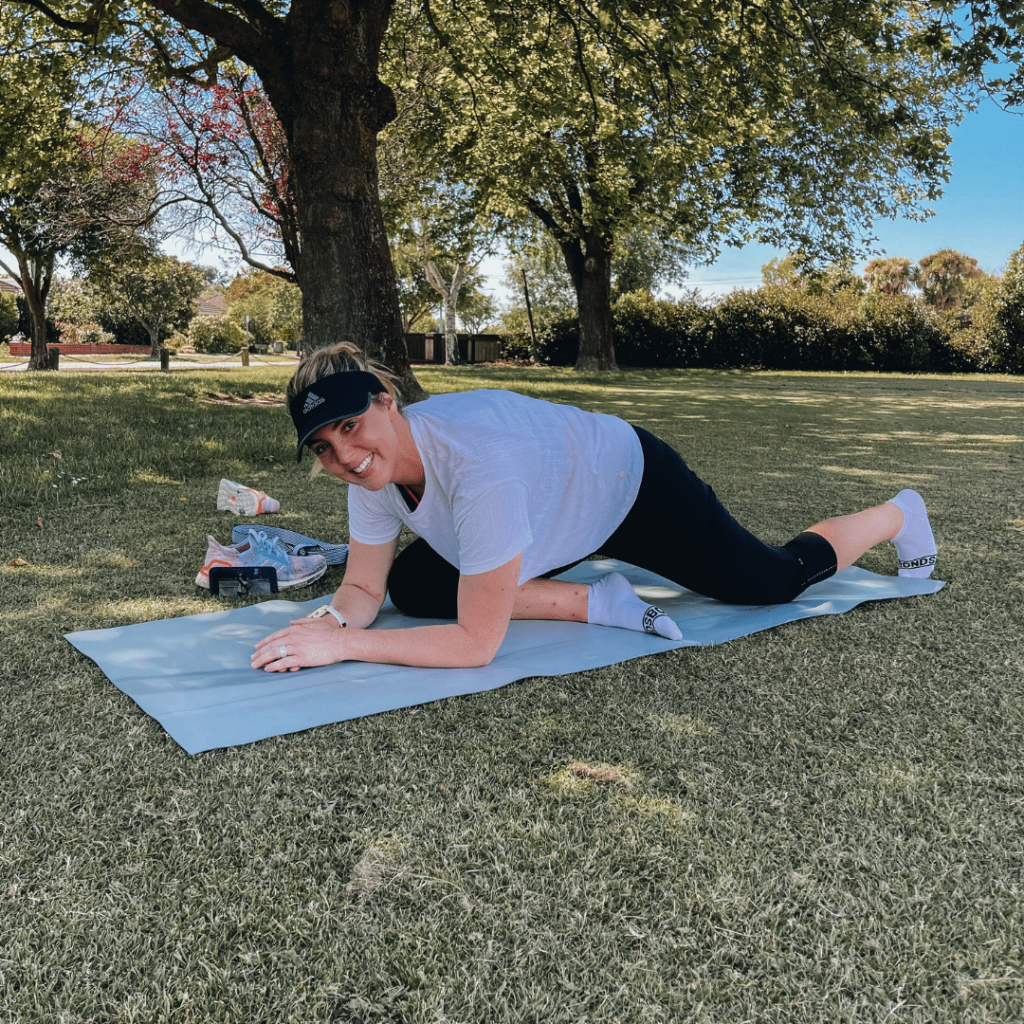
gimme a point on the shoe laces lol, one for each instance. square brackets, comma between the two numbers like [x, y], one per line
[268, 545]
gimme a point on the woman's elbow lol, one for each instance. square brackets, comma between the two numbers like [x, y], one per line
[482, 658]
[481, 651]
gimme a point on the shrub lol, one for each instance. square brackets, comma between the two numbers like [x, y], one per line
[655, 332]
[8, 315]
[550, 326]
[901, 332]
[83, 334]
[215, 334]
[785, 329]
[1008, 317]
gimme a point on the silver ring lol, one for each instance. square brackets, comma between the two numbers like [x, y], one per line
[283, 651]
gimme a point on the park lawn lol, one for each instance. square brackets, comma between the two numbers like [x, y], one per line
[823, 822]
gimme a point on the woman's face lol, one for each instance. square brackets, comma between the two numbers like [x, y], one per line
[362, 450]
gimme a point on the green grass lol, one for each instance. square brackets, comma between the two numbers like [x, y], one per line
[824, 822]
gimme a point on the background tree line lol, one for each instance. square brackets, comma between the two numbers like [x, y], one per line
[942, 315]
[156, 305]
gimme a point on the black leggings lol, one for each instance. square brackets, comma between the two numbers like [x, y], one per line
[676, 528]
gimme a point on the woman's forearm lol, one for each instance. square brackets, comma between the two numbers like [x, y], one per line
[443, 646]
[485, 608]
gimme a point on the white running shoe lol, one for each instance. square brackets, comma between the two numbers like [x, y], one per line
[259, 549]
[296, 543]
[244, 501]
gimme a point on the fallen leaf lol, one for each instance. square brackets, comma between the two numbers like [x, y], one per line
[17, 562]
[39, 523]
[57, 455]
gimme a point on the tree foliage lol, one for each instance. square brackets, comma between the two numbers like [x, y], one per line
[890, 276]
[709, 124]
[943, 276]
[317, 62]
[91, 206]
[716, 122]
[160, 293]
[267, 307]
[225, 163]
[1008, 313]
[797, 272]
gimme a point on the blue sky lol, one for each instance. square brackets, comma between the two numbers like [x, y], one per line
[981, 212]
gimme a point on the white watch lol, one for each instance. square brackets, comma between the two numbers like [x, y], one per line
[328, 609]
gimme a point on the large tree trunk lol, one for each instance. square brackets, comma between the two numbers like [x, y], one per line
[332, 105]
[589, 262]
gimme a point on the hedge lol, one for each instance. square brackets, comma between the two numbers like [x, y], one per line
[784, 329]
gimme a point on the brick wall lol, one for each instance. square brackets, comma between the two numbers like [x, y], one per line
[24, 348]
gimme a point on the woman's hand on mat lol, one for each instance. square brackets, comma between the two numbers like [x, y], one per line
[305, 643]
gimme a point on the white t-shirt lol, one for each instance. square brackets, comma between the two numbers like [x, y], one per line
[504, 474]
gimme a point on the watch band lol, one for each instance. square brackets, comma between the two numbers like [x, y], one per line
[328, 609]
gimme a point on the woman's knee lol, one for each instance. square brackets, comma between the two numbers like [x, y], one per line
[422, 584]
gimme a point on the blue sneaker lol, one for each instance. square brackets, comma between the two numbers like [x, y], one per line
[258, 549]
[297, 543]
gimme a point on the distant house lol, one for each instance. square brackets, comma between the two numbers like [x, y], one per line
[213, 306]
[9, 286]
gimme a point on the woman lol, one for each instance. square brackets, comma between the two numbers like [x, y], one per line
[504, 491]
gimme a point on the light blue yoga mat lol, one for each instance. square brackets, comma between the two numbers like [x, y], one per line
[193, 675]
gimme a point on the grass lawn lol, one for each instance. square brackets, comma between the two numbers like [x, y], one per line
[824, 822]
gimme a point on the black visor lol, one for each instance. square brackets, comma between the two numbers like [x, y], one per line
[337, 397]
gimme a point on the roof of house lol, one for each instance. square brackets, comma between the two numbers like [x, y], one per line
[213, 306]
[8, 286]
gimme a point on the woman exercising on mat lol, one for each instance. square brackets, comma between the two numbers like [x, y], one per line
[503, 491]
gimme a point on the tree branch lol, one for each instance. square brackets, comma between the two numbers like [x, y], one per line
[88, 26]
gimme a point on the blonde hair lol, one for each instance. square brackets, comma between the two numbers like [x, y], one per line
[341, 357]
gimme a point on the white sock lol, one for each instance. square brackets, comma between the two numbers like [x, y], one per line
[611, 601]
[915, 544]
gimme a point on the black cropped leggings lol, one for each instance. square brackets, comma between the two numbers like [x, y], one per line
[676, 528]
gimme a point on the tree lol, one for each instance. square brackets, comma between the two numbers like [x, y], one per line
[317, 61]
[710, 124]
[794, 115]
[160, 293]
[447, 265]
[943, 277]
[416, 298]
[783, 272]
[891, 276]
[88, 210]
[8, 315]
[539, 260]
[643, 262]
[227, 172]
[478, 310]
[431, 225]
[797, 272]
[267, 306]
[68, 191]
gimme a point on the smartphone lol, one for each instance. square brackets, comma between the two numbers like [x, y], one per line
[243, 581]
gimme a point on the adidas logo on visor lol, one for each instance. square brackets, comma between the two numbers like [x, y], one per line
[312, 401]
